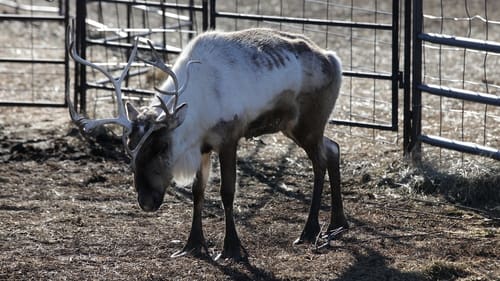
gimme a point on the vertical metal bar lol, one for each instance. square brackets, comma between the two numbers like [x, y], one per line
[66, 54]
[80, 44]
[164, 25]
[406, 80]
[63, 6]
[191, 19]
[129, 37]
[204, 15]
[213, 14]
[395, 63]
[415, 144]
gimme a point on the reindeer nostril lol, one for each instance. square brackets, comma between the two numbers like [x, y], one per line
[149, 202]
[148, 207]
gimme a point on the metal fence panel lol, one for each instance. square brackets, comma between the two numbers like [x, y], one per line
[105, 30]
[456, 100]
[33, 70]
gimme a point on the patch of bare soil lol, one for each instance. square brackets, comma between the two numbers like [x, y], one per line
[68, 212]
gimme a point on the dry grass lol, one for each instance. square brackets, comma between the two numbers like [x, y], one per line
[68, 211]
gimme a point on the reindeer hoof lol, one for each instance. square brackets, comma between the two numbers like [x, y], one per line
[306, 237]
[201, 251]
[298, 241]
[240, 255]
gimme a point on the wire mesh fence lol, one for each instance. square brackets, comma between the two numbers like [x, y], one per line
[459, 89]
[459, 54]
[107, 35]
[33, 66]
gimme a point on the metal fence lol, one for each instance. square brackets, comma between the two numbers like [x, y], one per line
[449, 75]
[105, 30]
[455, 90]
[34, 65]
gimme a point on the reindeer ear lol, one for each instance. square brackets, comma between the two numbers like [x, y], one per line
[132, 113]
[178, 116]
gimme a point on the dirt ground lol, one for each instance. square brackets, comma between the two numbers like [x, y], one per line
[68, 211]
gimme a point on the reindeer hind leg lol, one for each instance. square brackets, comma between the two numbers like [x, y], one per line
[337, 219]
[312, 143]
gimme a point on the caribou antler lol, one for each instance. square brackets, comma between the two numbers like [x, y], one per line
[85, 124]
[159, 63]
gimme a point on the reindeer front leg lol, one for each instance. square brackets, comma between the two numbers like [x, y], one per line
[232, 246]
[196, 244]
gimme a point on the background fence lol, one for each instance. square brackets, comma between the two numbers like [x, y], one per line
[456, 99]
[453, 103]
[34, 65]
[104, 33]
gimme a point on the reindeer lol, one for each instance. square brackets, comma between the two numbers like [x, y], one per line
[243, 84]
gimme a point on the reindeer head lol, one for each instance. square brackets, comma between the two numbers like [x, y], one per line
[149, 146]
[146, 133]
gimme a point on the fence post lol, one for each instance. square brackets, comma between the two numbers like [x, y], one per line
[213, 13]
[395, 64]
[66, 54]
[204, 15]
[80, 44]
[407, 80]
[416, 116]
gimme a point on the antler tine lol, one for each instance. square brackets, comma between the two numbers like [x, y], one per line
[84, 123]
[158, 62]
[163, 105]
[118, 83]
[188, 64]
[183, 87]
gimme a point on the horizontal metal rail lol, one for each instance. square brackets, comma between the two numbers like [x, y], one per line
[371, 75]
[30, 8]
[282, 19]
[104, 43]
[368, 125]
[32, 61]
[162, 13]
[462, 42]
[156, 4]
[461, 146]
[460, 94]
[32, 104]
[124, 89]
[123, 33]
[30, 18]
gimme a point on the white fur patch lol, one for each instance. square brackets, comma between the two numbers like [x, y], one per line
[185, 167]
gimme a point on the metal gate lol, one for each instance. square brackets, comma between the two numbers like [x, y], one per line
[455, 92]
[30, 70]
